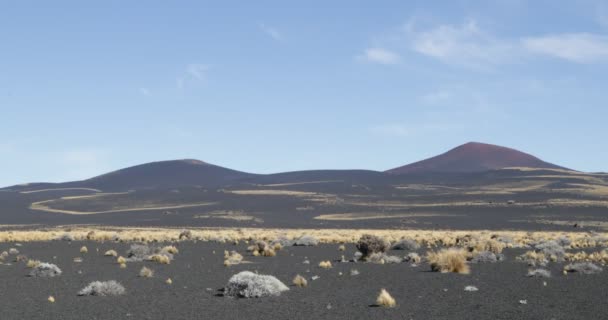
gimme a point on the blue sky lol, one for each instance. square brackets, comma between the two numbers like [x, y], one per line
[269, 86]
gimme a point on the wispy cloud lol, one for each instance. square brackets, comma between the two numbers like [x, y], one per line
[197, 70]
[379, 55]
[464, 45]
[270, 31]
[575, 47]
[471, 46]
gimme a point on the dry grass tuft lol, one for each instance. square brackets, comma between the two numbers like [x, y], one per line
[277, 246]
[32, 263]
[169, 281]
[146, 272]
[111, 253]
[300, 281]
[269, 252]
[51, 299]
[385, 300]
[342, 248]
[121, 260]
[170, 249]
[123, 265]
[232, 258]
[325, 264]
[449, 260]
[160, 258]
[84, 249]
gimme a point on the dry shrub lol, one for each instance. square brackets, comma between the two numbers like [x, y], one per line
[369, 244]
[121, 260]
[533, 258]
[277, 246]
[300, 281]
[342, 248]
[105, 288]
[32, 263]
[169, 249]
[146, 272]
[169, 281]
[385, 300]
[84, 249]
[413, 257]
[491, 245]
[160, 258]
[269, 252]
[232, 258]
[111, 253]
[325, 264]
[13, 251]
[449, 260]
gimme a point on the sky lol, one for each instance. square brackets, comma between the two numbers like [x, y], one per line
[271, 86]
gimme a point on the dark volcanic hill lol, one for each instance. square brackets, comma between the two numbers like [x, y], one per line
[173, 173]
[474, 157]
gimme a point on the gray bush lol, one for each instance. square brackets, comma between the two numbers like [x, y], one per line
[185, 235]
[247, 284]
[102, 288]
[44, 269]
[141, 252]
[539, 273]
[306, 240]
[369, 244]
[583, 267]
[66, 237]
[381, 257]
[412, 257]
[406, 244]
[487, 257]
[552, 248]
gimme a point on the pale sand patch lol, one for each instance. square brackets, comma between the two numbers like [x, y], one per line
[229, 215]
[299, 183]
[357, 216]
[40, 206]
[270, 192]
[60, 189]
[483, 203]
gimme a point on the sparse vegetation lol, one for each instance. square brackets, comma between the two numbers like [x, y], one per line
[247, 284]
[232, 258]
[44, 269]
[539, 273]
[300, 281]
[146, 272]
[406, 244]
[84, 249]
[369, 244]
[583, 267]
[103, 288]
[32, 263]
[111, 253]
[385, 299]
[325, 264]
[413, 257]
[448, 260]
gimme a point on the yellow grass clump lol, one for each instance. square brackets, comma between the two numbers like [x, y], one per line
[111, 253]
[449, 260]
[51, 299]
[269, 252]
[277, 246]
[341, 248]
[123, 265]
[160, 258]
[146, 272]
[300, 281]
[84, 249]
[169, 281]
[325, 264]
[170, 249]
[32, 263]
[121, 260]
[232, 258]
[385, 300]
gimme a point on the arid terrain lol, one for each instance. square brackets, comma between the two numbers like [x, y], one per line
[527, 239]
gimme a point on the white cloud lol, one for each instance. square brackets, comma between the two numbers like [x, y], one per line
[272, 32]
[464, 45]
[380, 55]
[575, 47]
[197, 71]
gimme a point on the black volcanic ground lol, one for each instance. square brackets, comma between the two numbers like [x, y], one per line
[197, 274]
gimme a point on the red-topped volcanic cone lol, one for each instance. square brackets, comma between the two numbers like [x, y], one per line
[475, 157]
